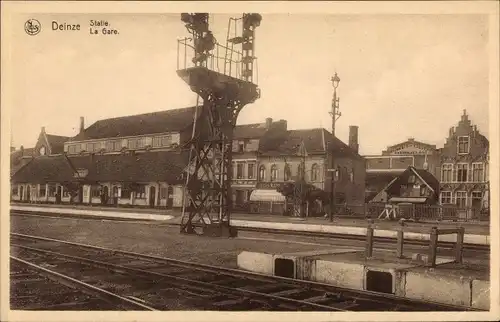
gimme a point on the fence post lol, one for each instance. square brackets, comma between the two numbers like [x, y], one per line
[431, 261]
[459, 245]
[399, 248]
[369, 239]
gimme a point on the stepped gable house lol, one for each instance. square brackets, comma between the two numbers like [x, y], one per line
[465, 166]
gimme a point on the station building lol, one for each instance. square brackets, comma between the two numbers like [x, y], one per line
[140, 160]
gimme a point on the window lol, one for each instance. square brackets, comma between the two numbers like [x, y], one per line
[251, 167]
[163, 192]
[15, 190]
[42, 150]
[65, 192]
[94, 147]
[95, 191]
[74, 148]
[476, 199]
[239, 170]
[125, 192]
[463, 144]
[315, 172]
[241, 146]
[477, 172]
[445, 198]
[43, 190]
[423, 190]
[462, 169]
[351, 175]
[300, 173]
[411, 179]
[114, 145]
[461, 198]
[287, 172]
[52, 190]
[141, 192]
[274, 172]
[137, 143]
[164, 140]
[446, 172]
[262, 173]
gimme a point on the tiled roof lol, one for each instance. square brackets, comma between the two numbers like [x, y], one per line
[249, 131]
[56, 143]
[44, 169]
[149, 123]
[315, 140]
[15, 159]
[429, 178]
[141, 167]
[424, 174]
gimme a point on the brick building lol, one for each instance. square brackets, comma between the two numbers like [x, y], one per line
[140, 160]
[464, 167]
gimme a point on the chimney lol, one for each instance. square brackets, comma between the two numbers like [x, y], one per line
[269, 121]
[43, 129]
[82, 124]
[353, 138]
[411, 139]
[283, 124]
[12, 149]
[22, 150]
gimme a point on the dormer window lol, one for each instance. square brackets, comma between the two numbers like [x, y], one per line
[42, 150]
[463, 144]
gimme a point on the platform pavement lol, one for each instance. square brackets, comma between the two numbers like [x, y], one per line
[474, 233]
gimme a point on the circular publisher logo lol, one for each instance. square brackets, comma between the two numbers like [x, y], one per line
[32, 27]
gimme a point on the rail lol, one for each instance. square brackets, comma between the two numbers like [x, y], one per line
[271, 292]
[119, 301]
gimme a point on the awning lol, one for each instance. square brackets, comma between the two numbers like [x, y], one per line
[267, 195]
[408, 200]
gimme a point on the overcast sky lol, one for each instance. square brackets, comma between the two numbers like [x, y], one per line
[401, 75]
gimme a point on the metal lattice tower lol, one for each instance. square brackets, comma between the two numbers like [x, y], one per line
[224, 92]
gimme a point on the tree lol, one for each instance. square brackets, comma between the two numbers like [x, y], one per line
[300, 193]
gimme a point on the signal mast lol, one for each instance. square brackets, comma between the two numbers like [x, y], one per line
[224, 90]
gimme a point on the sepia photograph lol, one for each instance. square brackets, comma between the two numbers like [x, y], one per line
[339, 161]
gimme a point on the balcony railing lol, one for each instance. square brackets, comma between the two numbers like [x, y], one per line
[222, 59]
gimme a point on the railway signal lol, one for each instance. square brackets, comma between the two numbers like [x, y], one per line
[224, 94]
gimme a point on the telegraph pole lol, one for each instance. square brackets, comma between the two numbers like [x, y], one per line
[335, 114]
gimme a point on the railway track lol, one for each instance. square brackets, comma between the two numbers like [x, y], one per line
[169, 284]
[376, 239]
[33, 287]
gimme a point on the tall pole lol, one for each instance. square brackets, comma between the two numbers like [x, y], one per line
[335, 114]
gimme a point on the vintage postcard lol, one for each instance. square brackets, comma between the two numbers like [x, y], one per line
[189, 161]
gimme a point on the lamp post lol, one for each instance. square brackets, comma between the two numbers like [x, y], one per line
[335, 114]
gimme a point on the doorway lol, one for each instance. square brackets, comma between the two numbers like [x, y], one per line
[152, 196]
[170, 197]
[21, 193]
[105, 195]
[58, 194]
[28, 193]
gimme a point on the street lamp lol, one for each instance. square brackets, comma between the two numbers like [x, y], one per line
[335, 114]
